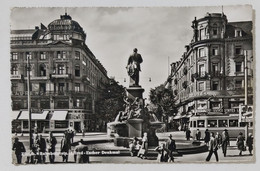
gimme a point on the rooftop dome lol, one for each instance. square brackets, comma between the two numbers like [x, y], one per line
[65, 23]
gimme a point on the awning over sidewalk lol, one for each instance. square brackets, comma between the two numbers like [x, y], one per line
[59, 115]
[35, 116]
[15, 114]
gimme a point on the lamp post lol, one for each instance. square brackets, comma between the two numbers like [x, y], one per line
[29, 101]
[246, 86]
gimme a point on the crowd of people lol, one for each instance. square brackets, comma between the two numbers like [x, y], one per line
[41, 147]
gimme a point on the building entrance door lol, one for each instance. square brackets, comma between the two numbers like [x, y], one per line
[77, 126]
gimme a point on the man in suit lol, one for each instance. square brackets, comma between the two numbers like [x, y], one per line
[225, 141]
[213, 147]
[171, 146]
[18, 148]
[52, 141]
[133, 67]
[80, 153]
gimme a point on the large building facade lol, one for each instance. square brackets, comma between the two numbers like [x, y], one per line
[65, 77]
[209, 77]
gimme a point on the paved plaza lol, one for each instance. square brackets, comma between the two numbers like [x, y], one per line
[103, 142]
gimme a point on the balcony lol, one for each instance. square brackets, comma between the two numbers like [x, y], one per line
[16, 77]
[201, 75]
[61, 76]
[50, 93]
[37, 78]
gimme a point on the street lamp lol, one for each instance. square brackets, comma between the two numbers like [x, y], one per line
[29, 101]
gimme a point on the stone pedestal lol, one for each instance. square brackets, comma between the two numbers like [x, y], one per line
[135, 127]
[135, 91]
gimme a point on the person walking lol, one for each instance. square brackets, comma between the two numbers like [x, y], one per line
[219, 139]
[18, 149]
[64, 148]
[249, 143]
[225, 141]
[42, 149]
[198, 135]
[188, 134]
[207, 137]
[171, 146]
[162, 153]
[80, 153]
[213, 147]
[51, 149]
[144, 148]
[133, 146]
[240, 143]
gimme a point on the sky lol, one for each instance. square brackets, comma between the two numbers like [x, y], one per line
[159, 34]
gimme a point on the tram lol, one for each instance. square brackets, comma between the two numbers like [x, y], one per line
[218, 124]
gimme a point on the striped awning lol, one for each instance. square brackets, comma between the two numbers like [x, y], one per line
[35, 116]
[15, 114]
[59, 115]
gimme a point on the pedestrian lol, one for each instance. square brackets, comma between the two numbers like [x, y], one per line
[134, 146]
[51, 147]
[198, 135]
[64, 148]
[219, 139]
[207, 137]
[249, 143]
[162, 153]
[188, 134]
[240, 143]
[213, 147]
[225, 141]
[80, 153]
[35, 156]
[171, 146]
[42, 149]
[144, 148]
[18, 149]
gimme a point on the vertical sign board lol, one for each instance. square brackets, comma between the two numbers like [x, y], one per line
[245, 113]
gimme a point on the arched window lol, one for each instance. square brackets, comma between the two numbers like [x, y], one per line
[42, 70]
[14, 70]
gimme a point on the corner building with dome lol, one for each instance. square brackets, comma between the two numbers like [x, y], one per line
[208, 81]
[66, 78]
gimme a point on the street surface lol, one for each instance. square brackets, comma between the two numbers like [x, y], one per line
[232, 152]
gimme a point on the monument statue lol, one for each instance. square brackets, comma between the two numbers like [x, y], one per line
[133, 67]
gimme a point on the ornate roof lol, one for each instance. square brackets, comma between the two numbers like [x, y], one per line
[65, 23]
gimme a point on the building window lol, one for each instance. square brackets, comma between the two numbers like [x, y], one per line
[202, 34]
[14, 56]
[238, 84]
[215, 51]
[238, 66]
[42, 55]
[238, 33]
[61, 87]
[28, 55]
[77, 87]
[215, 105]
[61, 124]
[201, 86]
[77, 71]
[14, 70]
[77, 103]
[201, 52]
[77, 55]
[59, 55]
[202, 70]
[215, 85]
[238, 50]
[45, 104]
[64, 54]
[42, 87]
[62, 105]
[42, 70]
[215, 31]
[14, 87]
[61, 69]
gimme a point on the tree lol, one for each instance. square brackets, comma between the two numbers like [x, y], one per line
[162, 100]
[111, 102]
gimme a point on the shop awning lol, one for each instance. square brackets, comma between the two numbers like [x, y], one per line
[15, 114]
[59, 115]
[35, 116]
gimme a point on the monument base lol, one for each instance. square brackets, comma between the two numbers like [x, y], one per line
[135, 91]
[135, 127]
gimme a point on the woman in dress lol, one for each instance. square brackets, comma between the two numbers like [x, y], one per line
[240, 143]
